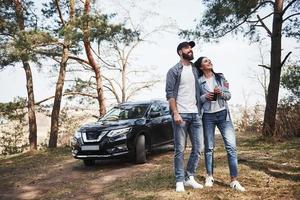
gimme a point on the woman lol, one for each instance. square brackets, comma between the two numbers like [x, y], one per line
[214, 94]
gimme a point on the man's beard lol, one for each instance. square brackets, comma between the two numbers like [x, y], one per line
[187, 56]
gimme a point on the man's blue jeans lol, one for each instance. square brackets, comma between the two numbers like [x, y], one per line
[192, 125]
[210, 121]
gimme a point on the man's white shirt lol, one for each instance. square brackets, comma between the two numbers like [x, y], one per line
[186, 98]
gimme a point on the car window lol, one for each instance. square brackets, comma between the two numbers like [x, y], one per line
[165, 109]
[155, 108]
[125, 112]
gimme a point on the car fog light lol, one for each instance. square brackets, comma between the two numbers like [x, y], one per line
[122, 147]
[74, 152]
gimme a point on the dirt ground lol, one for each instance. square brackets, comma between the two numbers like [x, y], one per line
[65, 177]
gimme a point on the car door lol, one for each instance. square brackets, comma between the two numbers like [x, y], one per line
[167, 123]
[155, 117]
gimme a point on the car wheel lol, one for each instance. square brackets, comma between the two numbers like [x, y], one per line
[140, 150]
[89, 162]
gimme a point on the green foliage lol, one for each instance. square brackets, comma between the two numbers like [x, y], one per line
[19, 44]
[13, 110]
[12, 124]
[80, 86]
[24, 45]
[233, 16]
[288, 112]
[290, 79]
[221, 17]
[99, 26]
[292, 30]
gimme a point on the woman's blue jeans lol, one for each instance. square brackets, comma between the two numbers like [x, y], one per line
[210, 122]
[192, 125]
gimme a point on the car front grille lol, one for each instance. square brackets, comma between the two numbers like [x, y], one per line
[93, 136]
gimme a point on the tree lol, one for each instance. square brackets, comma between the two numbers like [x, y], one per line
[233, 16]
[122, 77]
[19, 37]
[91, 59]
[121, 83]
[82, 27]
[62, 72]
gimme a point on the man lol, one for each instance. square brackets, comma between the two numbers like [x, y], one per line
[182, 91]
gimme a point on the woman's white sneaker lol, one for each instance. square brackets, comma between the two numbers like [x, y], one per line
[179, 187]
[209, 181]
[190, 181]
[237, 186]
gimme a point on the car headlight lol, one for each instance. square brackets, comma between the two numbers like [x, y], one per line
[77, 134]
[118, 132]
[74, 141]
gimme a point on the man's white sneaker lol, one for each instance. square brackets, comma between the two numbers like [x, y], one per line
[209, 181]
[190, 181]
[237, 186]
[179, 187]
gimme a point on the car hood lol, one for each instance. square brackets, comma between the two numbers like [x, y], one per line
[110, 125]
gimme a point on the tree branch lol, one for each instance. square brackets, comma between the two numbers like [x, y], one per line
[245, 20]
[107, 65]
[264, 25]
[265, 66]
[286, 57]
[137, 89]
[59, 12]
[287, 6]
[291, 16]
[68, 94]
[112, 88]
[265, 17]
[80, 60]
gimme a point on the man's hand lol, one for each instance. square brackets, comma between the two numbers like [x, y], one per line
[177, 118]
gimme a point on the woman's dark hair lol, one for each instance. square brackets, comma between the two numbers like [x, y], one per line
[200, 72]
[198, 65]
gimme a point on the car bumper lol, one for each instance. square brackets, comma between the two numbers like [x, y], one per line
[96, 156]
[96, 151]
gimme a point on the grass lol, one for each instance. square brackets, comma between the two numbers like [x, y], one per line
[268, 170]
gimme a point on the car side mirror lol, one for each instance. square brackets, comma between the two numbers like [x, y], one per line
[154, 114]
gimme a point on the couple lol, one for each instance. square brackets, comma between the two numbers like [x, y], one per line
[197, 95]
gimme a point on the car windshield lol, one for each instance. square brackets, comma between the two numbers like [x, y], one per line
[125, 112]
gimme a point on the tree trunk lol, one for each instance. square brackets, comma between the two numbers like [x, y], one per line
[275, 71]
[60, 83]
[123, 82]
[29, 82]
[92, 62]
[57, 99]
[31, 108]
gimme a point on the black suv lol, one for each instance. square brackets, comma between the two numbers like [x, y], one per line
[131, 129]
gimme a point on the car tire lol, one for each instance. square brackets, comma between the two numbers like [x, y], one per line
[140, 150]
[89, 162]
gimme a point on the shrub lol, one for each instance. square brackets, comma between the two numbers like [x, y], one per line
[288, 117]
[13, 125]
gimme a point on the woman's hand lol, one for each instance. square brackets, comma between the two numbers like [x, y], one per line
[217, 90]
[209, 96]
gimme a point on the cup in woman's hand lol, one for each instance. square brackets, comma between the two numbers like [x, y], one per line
[214, 97]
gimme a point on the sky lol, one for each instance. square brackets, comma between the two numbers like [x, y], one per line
[234, 56]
